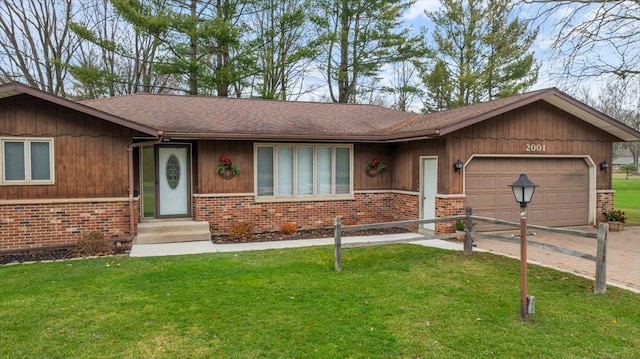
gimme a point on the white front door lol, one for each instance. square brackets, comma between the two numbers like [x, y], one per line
[429, 190]
[173, 181]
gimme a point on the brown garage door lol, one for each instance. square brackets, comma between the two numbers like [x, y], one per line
[562, 198]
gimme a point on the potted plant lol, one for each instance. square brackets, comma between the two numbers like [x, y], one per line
[460, 224]
[616, 218]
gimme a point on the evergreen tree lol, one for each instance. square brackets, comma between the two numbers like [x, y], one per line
[482, 52]
[356, 38]
[195, 42]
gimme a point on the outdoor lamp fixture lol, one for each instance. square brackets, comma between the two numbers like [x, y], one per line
[604, 165]
[523, 191]
[458, 165]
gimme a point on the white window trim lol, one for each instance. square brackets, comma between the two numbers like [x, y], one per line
[28, 181]
[302, 198]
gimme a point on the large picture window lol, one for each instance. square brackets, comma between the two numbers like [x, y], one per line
[26, 161]
[303, 171]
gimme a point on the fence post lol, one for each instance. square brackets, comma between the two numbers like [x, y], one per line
[601, 259]
[337, 239]
[468, 227]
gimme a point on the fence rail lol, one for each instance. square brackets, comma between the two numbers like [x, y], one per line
[601, 236]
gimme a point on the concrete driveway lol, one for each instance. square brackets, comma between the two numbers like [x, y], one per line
[623, 254]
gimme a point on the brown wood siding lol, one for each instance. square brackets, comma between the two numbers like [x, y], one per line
[207, 157]
[537, 123]
[363, 153]
[90, 153]
[407, 158]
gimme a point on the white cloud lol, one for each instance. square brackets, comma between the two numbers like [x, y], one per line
[417, 10]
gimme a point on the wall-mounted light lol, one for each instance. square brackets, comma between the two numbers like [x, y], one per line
[604, 165]
[458, 165]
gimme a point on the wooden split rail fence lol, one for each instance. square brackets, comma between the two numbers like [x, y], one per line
[600, 258]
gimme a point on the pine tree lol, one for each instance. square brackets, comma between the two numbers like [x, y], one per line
[480, 51]
[356, 38]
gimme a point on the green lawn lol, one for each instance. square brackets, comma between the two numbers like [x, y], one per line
[401, 301]
[627, 197]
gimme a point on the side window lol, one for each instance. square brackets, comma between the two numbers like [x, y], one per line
[26, 161]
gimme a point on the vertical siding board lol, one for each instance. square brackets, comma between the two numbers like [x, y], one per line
[20, 116]
[61, 167]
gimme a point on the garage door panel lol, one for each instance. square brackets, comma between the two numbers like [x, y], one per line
[560, 200]
[549, 197]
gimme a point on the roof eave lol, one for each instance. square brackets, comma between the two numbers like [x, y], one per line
[301, 137]
[14, 89]
[593, 116]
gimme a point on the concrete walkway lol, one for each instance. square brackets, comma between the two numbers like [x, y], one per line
[168, 249]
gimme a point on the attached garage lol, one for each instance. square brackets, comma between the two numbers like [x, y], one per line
[563, 197]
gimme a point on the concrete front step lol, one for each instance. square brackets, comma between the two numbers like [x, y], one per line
[172, 231]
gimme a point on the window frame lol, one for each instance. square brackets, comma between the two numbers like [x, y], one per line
[28, 181]
[275, 197]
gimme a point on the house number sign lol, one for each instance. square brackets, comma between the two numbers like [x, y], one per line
[535, 147]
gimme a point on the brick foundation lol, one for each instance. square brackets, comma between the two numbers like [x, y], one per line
[220, 211]
[40, 225]
[604, 203]
[446, 207]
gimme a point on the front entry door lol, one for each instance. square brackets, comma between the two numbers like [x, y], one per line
[429, 190]
[174, 197]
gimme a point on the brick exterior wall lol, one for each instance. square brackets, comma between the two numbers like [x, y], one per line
[604, 203]
[40, 225]
[220, 212]
[447, 207]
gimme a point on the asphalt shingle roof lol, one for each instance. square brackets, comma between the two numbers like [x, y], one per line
[180, 116]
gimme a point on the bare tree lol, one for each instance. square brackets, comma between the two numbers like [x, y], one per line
[281, 29]
[593, 38]
[403, 85]
[621, 101]
[115, 57]
[36, 43]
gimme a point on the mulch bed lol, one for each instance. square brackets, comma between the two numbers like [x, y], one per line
[69, 253]
[304, 234]
[39, 255]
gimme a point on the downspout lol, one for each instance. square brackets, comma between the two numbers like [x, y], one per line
[130, 155]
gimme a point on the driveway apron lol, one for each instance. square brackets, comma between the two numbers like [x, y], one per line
[623, 253]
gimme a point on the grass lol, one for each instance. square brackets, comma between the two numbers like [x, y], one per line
[402, 301]
[626, 197]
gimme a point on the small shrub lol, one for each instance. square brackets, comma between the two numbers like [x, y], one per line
[460, 224]
[241, 230]
[93, 244]
[288, 228]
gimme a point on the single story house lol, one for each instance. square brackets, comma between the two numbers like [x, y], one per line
[118, 165]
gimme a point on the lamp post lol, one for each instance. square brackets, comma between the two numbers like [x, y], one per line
[523, 190]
